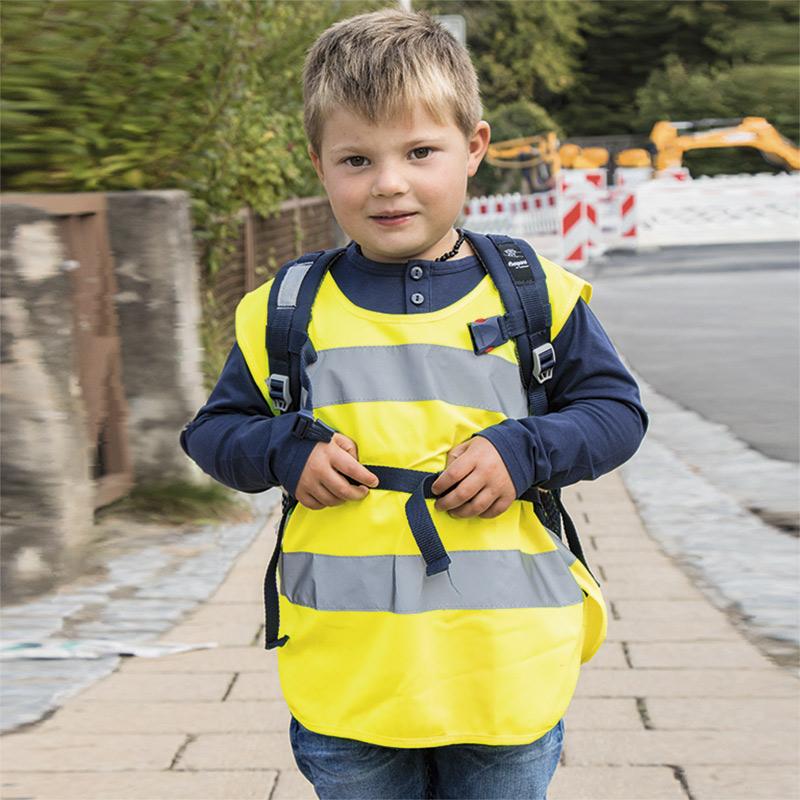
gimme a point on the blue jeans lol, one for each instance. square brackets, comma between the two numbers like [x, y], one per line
[346, 768]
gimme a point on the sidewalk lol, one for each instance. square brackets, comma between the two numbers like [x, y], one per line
[676, 705]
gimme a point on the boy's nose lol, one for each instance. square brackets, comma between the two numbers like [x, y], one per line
[389, 182]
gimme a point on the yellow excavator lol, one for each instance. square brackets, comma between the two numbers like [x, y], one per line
[673, 139]
[542, 156]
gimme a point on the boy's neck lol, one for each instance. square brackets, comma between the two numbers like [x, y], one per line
[464, 251]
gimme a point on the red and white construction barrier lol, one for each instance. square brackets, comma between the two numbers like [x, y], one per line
[559, 223]
[574, 231]
[583, 217]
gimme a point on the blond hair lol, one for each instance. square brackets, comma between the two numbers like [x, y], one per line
[378, 65]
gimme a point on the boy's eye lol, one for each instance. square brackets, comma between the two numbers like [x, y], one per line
[355, 161]
[421, 152]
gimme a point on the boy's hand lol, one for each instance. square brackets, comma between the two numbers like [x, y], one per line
[323, 482]
[485, 489]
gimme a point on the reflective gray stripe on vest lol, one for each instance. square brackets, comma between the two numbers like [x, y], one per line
[414, 372]
[478, 579]
[290, 285]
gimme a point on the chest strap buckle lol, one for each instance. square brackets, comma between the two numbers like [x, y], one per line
[487, 334]
[278, 386]
[544, 361]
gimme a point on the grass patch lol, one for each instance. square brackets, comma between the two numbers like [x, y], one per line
[177, 503]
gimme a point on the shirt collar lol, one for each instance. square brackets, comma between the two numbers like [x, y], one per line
[394, 269]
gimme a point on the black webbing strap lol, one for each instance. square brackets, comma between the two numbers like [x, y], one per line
[571, 532]
[272, 608]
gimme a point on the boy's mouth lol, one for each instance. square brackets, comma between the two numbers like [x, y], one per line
[392, 217]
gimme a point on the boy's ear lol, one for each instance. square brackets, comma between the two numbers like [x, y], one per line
[478, 145]
[316, 161]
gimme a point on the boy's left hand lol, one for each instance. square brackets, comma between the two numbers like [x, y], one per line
[485, 488]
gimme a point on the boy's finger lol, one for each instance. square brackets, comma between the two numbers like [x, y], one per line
[466, 490]
[456, 452]
[459, 469]
[338, 485]
[351, 468]
[325, 496]
[347, 444]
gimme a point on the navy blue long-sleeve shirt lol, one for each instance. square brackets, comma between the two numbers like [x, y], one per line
[595, 423]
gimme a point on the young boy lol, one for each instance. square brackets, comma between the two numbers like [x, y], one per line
[428, 648]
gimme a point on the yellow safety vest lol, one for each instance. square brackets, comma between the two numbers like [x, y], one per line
[488, 652]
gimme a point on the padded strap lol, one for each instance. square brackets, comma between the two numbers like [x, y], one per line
[520, 279]
[289, 350]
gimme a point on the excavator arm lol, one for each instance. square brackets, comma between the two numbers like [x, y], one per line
[672, 142]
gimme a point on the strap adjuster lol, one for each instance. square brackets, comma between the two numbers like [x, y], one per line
[544, 361]
[278, 386]
[307, 427]
[487, 334]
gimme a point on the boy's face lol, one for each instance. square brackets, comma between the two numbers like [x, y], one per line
[397, 187]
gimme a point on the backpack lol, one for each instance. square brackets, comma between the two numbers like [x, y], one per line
[520, 280]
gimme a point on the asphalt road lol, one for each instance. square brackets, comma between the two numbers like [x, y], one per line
[715, 328]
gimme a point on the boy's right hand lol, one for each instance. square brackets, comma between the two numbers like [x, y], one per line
[323, 482]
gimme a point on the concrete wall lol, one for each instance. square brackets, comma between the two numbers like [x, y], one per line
[158, 308]
[47, 493]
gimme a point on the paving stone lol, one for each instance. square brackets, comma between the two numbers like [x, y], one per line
[217, 659]
[671, 586]
[593, 713]
[62, 752]
[744, 783]
[610, 655]
[292, 785]
[634, 560]
[235, 634]
[256, 686]
[661, 630]
[717, 655]
[234, 590]
[686, 683]
[649, 573]
[615, 783]
[743, 713]
[707, 748]
[238, 751]
[677, 610]
[639, 544]
[122, 687]
[251, 716]
[141, 785]
[223, 614]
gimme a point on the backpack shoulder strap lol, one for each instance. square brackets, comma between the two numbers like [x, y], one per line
[520, 279]
[288, 313]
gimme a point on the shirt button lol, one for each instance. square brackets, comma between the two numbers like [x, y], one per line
[417, 299]
[417, 272]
